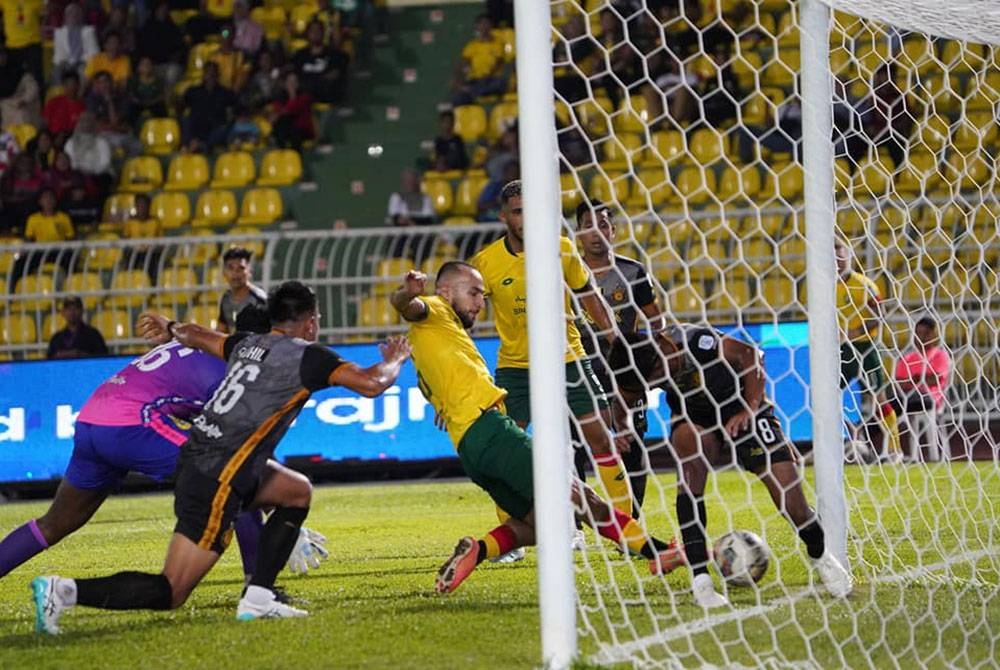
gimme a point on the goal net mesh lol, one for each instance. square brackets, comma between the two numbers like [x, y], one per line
[685, 118]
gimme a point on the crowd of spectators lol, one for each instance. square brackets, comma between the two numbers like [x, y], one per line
[112, 70]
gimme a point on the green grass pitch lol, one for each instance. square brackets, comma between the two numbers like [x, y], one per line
[372, 603]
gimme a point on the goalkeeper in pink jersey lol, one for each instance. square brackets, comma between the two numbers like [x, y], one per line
[136, 421]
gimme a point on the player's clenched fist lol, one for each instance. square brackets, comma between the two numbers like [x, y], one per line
[415, 281]
[152, 327]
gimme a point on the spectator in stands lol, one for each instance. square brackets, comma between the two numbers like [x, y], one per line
[8, 149]
[622, 69]
[93, 12]
[922, 374]
[90, 153]
[111, 109]
[120, 24]
[111, 60]
[238, 273]
[19, 93]
[62, 178]
[209, 106]
[202, 25]
[503, 152]
[245, 129]
[82, 205]
[19, 189]
[291, 115]
[719, 93]
[885, 114]
[481, 70]
[233, 65]
[449, 149]
[573, 65]
[143, 225]
[22, 29]
[780, 133]
[146, 93]
[501, 12]
[264, 83]
[78, 339]
[249, 34]
[322, 68]
[75, 43]
[163, 42]
[488, 205]
[41, 147]
[672, 85]
[409, 207]
[62, 111]
[48, 224]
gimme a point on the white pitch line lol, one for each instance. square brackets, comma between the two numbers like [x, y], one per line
[624, 652]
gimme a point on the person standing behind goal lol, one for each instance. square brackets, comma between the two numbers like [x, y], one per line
[238, 273]
[503, 270]
[627, 288]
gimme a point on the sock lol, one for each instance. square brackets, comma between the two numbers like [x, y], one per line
[613, 476]
[635, 466]
[891, 424]
[258, 595]
[21, 544]
[692, 520]
[497, 542]
[812, 535]
[125, 591]
[280, 534]
[249, 525]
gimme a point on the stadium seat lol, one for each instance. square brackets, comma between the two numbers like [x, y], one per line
[233, 169]
[247, 237]
[742, 184]
[388, 272]
[23, 133]
[375, 312]
[272, 19]
[505, 36]
[172, 209]
[206, 315]
[187, 172]
[122, 285]
[160, 136]
[592, 118]
[918, 173]
[214, 208]
[707, 146]
[80, 283]
[969, 172]
[778, 291]
[113, 324]
[118, 207]
[51, 324]
[220, 9]
[102, 257]
[571, 192]
[871, 180]
[685, 299]
[467, 196]
[696, 185]
[198, 55]
[141, 174]
[656, 182]
[668, 145]
[18, 329]
[260, 207]
[470, 122]
[440, 194]
[195, 253]
[610, 188]
[40, 285]
[502, 115]
[299, 16]
[280, 167]
[621, 151]
[176, 284]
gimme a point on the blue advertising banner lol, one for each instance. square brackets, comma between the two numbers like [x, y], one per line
[39, 401]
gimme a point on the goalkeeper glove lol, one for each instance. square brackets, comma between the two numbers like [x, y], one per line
[309, 550]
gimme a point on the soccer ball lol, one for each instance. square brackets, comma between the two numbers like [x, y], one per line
[742, 557]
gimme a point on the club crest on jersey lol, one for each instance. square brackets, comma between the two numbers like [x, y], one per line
[252, 353]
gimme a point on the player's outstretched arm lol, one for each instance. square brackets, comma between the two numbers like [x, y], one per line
[157, 328]
[406, 299]
[748, 362]
[374, 380]
[599, 312]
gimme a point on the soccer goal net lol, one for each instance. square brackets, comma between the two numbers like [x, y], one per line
[685, 119]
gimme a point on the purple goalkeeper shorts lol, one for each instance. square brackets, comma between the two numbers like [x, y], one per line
[103, 455]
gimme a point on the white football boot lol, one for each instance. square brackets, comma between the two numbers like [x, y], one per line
[705, 594]
[53, 596]
[836, 579]
[261, 603]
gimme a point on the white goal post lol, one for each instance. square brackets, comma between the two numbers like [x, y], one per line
[750, 244]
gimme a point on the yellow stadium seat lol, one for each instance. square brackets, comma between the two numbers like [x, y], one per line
[113, 324]
[198, 55]
[668, 145]
[919, 172]
[79, 283]
[374, 312]
[18, 329]
[739, 184]
[195, 253]
[102, 257]
[502, 116]
[871, 179]
[970, 172]
[300, 15]
[172, 209]
[141, 174]
[778, 290]
[684, 299]
[440, 194]
[621, 151]
[187, 172]
[51, 324]
[389, 273]
[119, 207]
[790, 184]
[260, 207]
[206, 315]
[593, 118]
[611, 188]
[176, 284]
[696, 185]
[9, 256]
[220, 8]
[233, 169]
[657, 184]
[272, 19]
[42, 286]
[505, 36]
[707, 146]
[934, 132]
[23, 133]
[470, 122]
[214, 208]
[160, 136]
[122, 286]
[247, 237]
[571, 192]
[280, 167]
[467, 196]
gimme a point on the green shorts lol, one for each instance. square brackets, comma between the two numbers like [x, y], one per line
[859, 360]
[584, 394]
[496, 455]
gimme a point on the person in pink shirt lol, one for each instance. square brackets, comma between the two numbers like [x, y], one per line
[922, 374]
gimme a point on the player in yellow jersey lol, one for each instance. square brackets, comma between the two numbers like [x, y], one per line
[494, 451]
[859, 317]
[502, 267]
